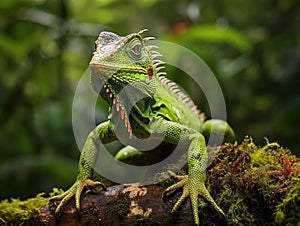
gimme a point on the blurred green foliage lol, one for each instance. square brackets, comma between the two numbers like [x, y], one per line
[45, 46]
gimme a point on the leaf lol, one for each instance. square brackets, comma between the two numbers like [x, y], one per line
[218, 34]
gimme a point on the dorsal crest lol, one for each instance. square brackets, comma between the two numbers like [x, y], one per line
[183, 97]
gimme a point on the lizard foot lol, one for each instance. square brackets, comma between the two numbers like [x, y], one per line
[76, 191]
[191, 188]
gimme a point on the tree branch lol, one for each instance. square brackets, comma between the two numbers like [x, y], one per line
[122, 205]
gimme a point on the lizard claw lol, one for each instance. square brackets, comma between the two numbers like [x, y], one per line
[175, 186]
[189, 189]
[76, 191]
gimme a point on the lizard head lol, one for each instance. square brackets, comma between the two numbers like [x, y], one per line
[122, 69]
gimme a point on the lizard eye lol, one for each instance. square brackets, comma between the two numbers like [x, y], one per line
[135, 51]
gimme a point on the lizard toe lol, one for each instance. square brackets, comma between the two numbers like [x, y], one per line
[76, 190]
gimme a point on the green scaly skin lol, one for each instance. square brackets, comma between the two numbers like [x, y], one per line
[123, 70]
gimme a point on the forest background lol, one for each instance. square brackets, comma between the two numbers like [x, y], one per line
[252, 47]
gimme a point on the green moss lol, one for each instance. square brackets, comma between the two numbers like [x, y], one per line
[17, 212]
[255, 185]
[287, 211]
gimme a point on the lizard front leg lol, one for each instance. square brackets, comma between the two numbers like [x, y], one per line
[194, 183]
[103, 133]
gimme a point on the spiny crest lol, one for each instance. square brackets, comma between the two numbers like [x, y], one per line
[183, 97]
[157, 63]
[172, 86]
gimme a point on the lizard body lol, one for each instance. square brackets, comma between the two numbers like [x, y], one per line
[145, 105]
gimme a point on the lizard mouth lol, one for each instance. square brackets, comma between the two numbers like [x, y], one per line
[101, 72]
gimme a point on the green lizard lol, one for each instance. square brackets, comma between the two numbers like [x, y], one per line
[144, 105]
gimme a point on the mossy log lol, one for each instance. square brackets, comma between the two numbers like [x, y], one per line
[130, 204]
[253, 185]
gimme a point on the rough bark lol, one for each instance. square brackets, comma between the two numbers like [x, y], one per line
[130, 204]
